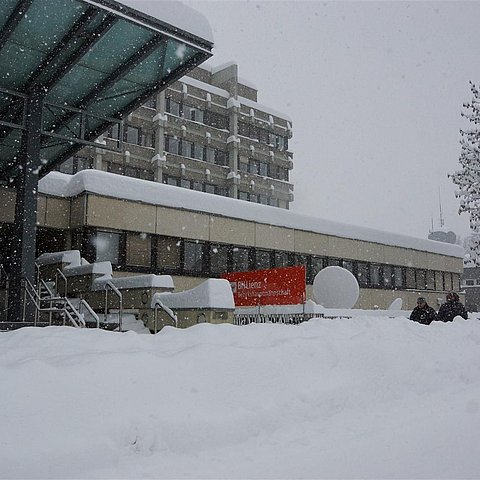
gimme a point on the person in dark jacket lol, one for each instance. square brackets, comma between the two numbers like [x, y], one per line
[423, 313]
[451, 308]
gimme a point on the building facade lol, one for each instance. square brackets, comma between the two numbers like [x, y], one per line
[147, 227]
[206, 132]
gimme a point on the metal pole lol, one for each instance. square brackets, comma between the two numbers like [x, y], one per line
[25, 229]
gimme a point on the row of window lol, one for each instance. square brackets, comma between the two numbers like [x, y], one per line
[195, 185]
[170, 255]
[274, 140]
[263, 199]
[195, 150]
[470, 282]
[207, 117]
[264, 169]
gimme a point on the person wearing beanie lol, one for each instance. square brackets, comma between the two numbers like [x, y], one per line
[451, 308]
[423, 313]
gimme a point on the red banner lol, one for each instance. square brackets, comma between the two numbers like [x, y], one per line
[276, 286]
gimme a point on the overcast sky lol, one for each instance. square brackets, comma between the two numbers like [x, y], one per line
[375, 91]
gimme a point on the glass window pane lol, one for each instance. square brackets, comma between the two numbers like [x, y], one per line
[430, 280]
[410, 278]
[362, 274]
[439, 281]
[387, 276]
[375, 280]
[262, 259]
[107, 247]
[187, 148]
[193, 257]
[218, 259]
[281, 259]
[398, 277]
[240, 259]
[421, 279]
[168, 253]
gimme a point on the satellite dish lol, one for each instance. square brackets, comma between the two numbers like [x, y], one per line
[397, 304]
[335, 287]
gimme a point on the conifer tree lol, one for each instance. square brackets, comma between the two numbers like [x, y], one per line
[468, 177]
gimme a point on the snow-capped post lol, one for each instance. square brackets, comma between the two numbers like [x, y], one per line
[468, 177]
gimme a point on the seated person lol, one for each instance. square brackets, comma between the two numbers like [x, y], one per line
[423, 313]
[451, 308]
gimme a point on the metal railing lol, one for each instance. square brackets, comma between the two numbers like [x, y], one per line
[84, 304]
[111, 286]
[168, 311]
[59, 273]
[284, 318]
[59, 305]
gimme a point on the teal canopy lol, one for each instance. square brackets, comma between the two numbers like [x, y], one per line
[91, 61]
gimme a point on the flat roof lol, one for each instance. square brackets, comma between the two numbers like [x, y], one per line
[94, 61]
[133, 189]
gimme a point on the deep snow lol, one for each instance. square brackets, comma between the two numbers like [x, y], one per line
[367, 397]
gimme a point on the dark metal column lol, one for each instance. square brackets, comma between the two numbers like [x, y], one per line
[25, 229]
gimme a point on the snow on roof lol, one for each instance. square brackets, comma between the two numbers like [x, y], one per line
[263, 108]
[97, 268]
[205, 86]
[128, 188]
[214, 293]
[173, 13]
[71, 257]
[141, 281]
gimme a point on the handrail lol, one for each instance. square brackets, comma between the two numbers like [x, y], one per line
[64, 278]
[109, 284]
[84, 303]
[75, 311]
[167, 310]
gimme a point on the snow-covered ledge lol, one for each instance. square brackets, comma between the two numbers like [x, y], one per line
[213, 294]
[70, 257]
[136, 281]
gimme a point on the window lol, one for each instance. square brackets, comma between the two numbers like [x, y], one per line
[192, 113]
[448, 281]
[430, 280]
[439, 281]
[398, 277]
[184, 183]
[421, 281]
[169, 180]
[173, 107]
[209, 188]
[281, 259]
[362, 274]
[210, 155]
[469, 282]
[133, 135]
[317, 265]
[218, 259]
[221, 158]
[168, 253]
[375, 279]
[138, 249]
[193, 257]
[198, 151]
[348, 264]
[242, 195]
[75, 164]
[187, 148]
[263, 259]
[172, 145]
[215, 120]
[240, 259]
[198, 186]
[107, 247]
[387, 274]
[263, 169]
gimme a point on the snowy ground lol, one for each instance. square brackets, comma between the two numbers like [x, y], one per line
[361, 398]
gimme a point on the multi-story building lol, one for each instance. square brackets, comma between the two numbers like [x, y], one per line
[206, 132]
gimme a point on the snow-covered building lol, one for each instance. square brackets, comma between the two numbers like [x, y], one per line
[206, 132]
[148, 227]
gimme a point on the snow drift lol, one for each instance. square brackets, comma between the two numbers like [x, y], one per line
[359, 398]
